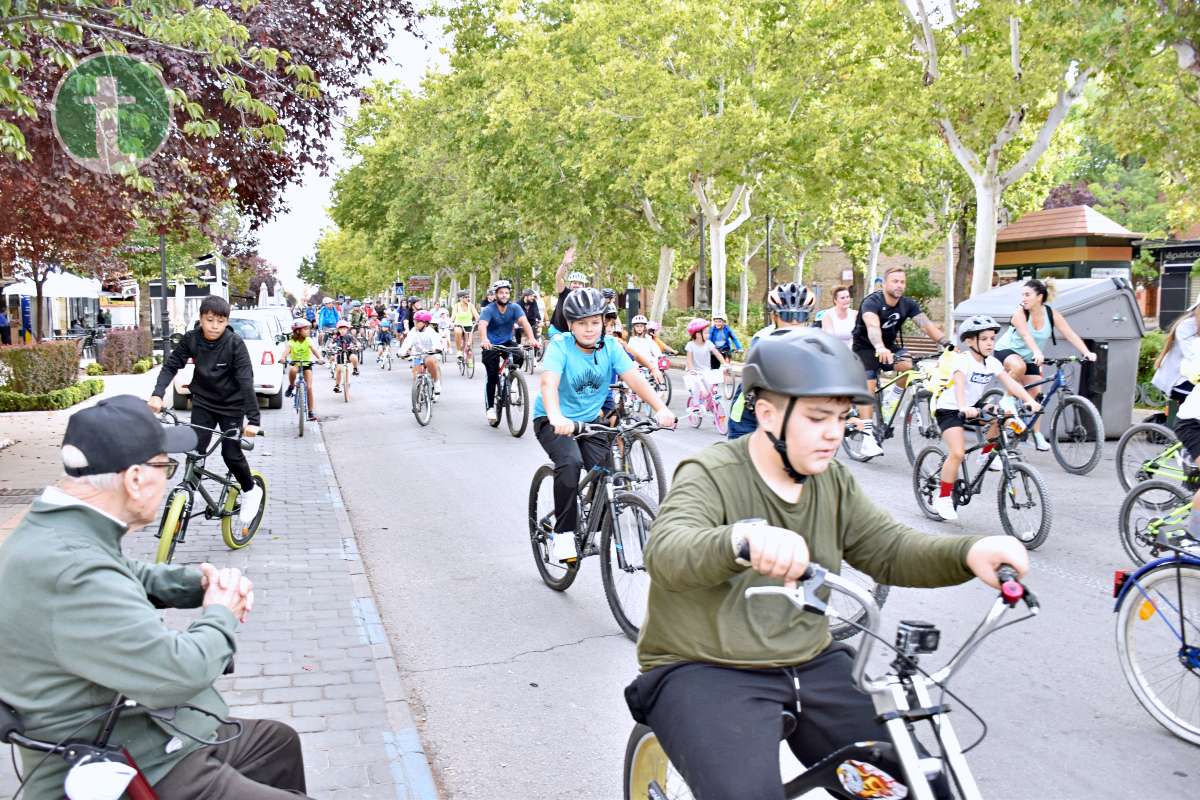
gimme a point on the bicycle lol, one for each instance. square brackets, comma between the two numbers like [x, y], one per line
[919, 424]
[529, 360]
[466, 355]
[1155, 511]
[512, 395]
[1021, 488]
[711, 401]
[1150, 450]
[1076, 428]
[639, 456]
[342, 370]
[177, 512]
[611, 506]
[383, 357]
[1158, 637]
[300, 393]
[904, 698]
[422, 390]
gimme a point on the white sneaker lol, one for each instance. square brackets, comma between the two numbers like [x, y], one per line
[1040, 442]
[562, 547]
[982, 458]
[944, 508]
[251, 501]
[437, 387]
[868, 447]
[492, 415]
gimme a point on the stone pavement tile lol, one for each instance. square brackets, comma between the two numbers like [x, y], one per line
[312, 653]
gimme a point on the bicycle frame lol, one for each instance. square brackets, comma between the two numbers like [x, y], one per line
[999, 450]
[1161, 466]
[608, 480]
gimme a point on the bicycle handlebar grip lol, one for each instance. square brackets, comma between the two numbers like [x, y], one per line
[1010, 588]
[247, 444]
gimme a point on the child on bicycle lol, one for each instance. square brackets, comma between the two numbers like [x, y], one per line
[971, 372]
[222, 390]
[699, 351]
[300, 351]
[574, 387]
[383, 337]
[653, 328]
[718, 669]
[726, 341]
[428, 342]
[345, 349]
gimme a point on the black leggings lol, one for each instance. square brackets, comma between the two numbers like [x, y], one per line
[491, 363]
[570, 455]
[231, 449]
[721, 726]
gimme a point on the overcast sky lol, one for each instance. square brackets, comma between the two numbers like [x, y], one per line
[291, 236]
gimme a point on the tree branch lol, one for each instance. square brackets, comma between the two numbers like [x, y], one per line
[1014, 43]
[734, 199]
[925, 42]
[964, 155]
[651, 220]
[1010, 129]
[745, 213]
[1053, 120]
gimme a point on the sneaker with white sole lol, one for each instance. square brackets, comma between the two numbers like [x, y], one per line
[562, 547]
[492, 414]
[1040, 442]
[251, 501]
[437, 387]
[944, 508]
[982, 458]
[868, 447]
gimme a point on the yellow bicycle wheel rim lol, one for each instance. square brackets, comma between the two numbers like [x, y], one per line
[227, 522]
[649, 763]
[171, 522]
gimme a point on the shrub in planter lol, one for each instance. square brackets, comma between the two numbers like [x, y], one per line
[48, 401]
[142, 365]
[94, 369]
[40, 368]
[122, 348]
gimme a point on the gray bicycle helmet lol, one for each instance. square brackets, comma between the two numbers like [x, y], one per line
[501, 284]
[804, 362]
[583, 303]
[793, 302]
[609, 294]
[977, 324]
[577, 277]
[611, 310]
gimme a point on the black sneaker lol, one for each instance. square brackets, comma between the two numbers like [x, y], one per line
[312, 417]
[291, 390]
[337, 389]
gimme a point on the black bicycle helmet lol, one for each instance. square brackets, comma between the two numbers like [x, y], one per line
[793, 302]
[805, 362]
[583, 303]
[609, 294]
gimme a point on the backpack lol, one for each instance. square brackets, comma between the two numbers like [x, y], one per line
[1050, 317]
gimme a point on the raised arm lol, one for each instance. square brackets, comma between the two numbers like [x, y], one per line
[559, 276]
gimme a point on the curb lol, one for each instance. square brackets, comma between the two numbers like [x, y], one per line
[409, 764]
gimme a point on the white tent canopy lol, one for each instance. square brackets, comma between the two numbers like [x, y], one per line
[58, 284]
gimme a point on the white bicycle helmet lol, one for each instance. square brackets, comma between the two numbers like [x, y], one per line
[640, 319]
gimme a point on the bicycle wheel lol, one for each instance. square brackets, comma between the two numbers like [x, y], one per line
[649, 774]
[471, 365]
[236, 534]
[627, 587]
[462, 365]
[1138, 446]
[720, 415]
[1076, 435]
[695, 414]
[1158, 645]
[851, 613]
[516, 410]
[665, 389]
[927, 479]
[541, 531]
[1146, 504]
[301, 405]
[1024, 505]
[920, 429]
[423, 404]
[644, 464]
[728, 384]
[174, 523]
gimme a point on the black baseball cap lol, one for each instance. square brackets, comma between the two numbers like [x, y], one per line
[119, 432]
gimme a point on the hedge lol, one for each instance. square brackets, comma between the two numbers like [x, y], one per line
[48, 401]
[122, 349]
[1152, 345]
[39, 368]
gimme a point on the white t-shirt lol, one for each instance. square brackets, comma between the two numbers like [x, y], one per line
[978, 377]
[700, 353]
[424, 341]
[645, 347]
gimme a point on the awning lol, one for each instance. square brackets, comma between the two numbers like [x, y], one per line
[58, 284]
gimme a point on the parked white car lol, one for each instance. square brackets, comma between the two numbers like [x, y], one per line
[260, 332]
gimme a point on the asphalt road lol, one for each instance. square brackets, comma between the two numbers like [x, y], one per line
[518, 689]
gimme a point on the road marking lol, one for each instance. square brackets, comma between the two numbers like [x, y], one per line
[366, 617]
[409, 766]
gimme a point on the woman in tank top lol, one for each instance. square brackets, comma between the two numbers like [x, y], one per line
[839, 320]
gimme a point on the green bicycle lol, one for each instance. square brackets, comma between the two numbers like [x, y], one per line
[912, 410]
[178, 509]
[1150, 450]
[1155, 513]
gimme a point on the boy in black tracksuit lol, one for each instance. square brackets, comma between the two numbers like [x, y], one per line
[222, 390]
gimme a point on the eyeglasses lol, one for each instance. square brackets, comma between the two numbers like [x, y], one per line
[169, 466]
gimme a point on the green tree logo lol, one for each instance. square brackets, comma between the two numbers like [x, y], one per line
[111, 113]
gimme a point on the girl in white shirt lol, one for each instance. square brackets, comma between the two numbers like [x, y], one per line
[699, 348]
[642, 342]
[841, 319]
[974, 370]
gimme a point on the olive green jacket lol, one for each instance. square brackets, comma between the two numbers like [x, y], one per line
[78, 625]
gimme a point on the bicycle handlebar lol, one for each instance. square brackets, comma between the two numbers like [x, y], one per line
[595, 428]
[246, 444]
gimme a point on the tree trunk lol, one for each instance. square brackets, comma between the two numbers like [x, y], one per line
[987, 198]
[962, 273]
[744, 293]
[948, 291]
[716, 266]
[473, 289]
[662, 287]
[39, 323]
[876, 237]
[144, 309]
[437, 287]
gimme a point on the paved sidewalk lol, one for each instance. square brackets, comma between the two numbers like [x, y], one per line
[314, 653]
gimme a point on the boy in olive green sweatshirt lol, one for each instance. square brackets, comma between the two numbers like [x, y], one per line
[717, 672]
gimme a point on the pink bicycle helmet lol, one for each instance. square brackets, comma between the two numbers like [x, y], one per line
[423, 316]
[654, 327]
[698, 324]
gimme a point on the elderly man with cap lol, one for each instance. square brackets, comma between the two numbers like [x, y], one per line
[79, 625]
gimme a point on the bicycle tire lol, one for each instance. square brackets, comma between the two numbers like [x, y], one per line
[849, 628]
[728, 385]
[471, 366]
[927, 480]
[695, 414]
[558, 577]
[666, 389]
[645, 763]
[720, 416]
[628, 607]
[651, 482]
[1077, 429]
[1140, 612]
[237, 537]
[520, 403]
[301, 405]
[462, 365]
[174, 523]
[423, 404]
[1147, 501]
[920, 428]
[1031, 537]
[1137, 446]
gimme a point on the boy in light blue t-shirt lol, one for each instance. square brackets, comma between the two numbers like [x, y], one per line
[575, 380]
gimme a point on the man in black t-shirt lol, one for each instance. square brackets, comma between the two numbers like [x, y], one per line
[563, 284]
[880, 318]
